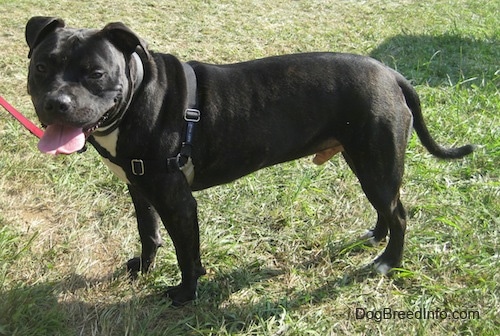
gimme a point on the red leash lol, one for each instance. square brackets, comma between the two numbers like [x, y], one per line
[22, 119]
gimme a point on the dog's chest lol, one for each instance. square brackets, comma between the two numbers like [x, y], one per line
[109, 142]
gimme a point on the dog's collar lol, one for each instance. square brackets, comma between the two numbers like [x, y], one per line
[139, 75]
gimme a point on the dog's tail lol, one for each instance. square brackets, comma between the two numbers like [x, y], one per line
[425, 137]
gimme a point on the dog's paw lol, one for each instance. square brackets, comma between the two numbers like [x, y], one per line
[369, 238]
[384, 263]
[134, 267]
[180, 295]
[382, 267]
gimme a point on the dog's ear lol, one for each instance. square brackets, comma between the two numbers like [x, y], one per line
[124, 38]
[38, 27]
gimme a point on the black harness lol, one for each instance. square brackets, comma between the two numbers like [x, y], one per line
[182, 161]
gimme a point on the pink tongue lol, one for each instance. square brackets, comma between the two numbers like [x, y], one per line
[58, 139]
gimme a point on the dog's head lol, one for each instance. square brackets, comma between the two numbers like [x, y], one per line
[80, 80]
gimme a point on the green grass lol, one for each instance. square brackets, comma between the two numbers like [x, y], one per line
[279, 245]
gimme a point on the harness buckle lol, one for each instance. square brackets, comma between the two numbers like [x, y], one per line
[192, 115]
[137, 167]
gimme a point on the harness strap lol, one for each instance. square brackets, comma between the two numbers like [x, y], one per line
[191, 116]
[191, 86]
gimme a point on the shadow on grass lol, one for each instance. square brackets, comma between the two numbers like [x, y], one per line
[44, 308]
[439, 60]
[34, 310]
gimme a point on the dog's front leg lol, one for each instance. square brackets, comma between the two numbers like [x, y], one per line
[182, 226]
[148, 226]
[173, 199]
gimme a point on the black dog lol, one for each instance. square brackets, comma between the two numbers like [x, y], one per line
[168, 128]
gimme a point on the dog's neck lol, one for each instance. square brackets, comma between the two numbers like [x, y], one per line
[107, 140]
[136, 76]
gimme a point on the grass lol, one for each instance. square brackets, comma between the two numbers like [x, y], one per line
[279, 245]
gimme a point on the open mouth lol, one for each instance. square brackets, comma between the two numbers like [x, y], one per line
[65, 139]
[88, 130]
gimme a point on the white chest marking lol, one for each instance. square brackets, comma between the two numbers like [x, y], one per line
[108, 142]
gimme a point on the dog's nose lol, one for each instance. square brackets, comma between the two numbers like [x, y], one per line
[60, 103]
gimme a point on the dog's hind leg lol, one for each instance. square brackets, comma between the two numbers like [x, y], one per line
[382, 191]
[148, 224]
[372, 236]
[378, 161]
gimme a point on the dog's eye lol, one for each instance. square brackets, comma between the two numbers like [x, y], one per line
[41, 67]
[96, 74]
